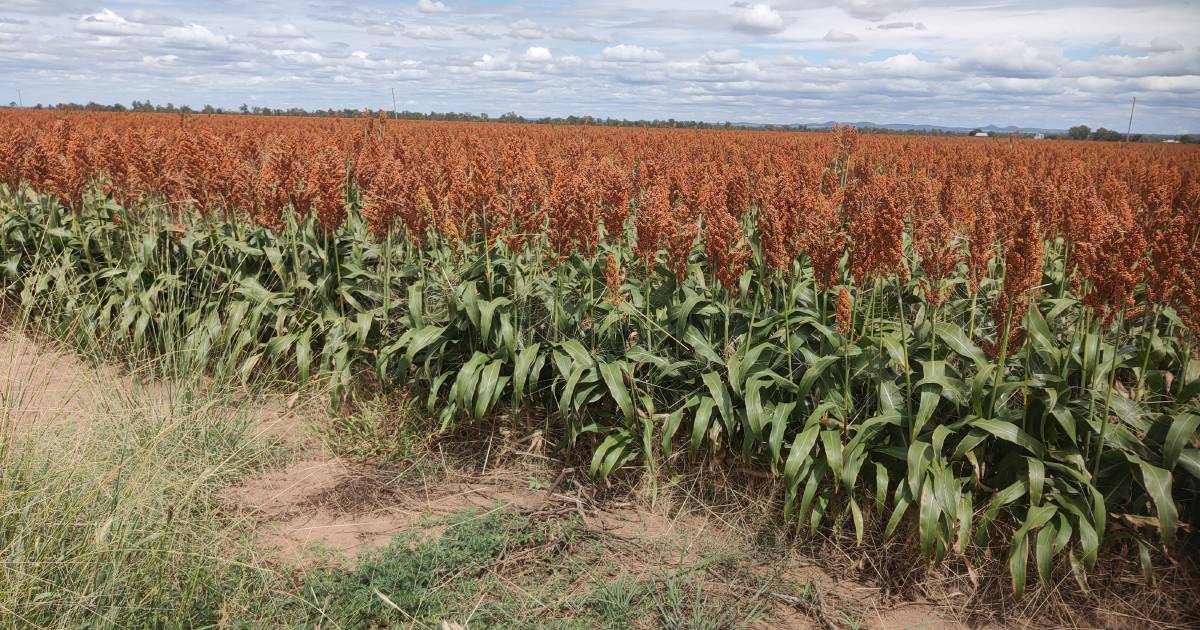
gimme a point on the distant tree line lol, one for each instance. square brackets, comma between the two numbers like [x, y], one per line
[1083, 132]
[510, 117]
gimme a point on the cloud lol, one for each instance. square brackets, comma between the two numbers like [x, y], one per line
[426, 32]
[145, 17]
[631, 53]
[791, 60]
[8, 25]
[1177, 63]
[42, 7]
[758, 19]
[107, 23]
[299, 57]
[1164, 44]
[499, 68]
[908, 66]
[486, 62]
[195, 35]
[634, 60]
[840, 37]
[1012, 58]
[873, 10]
[538, 53]
[279, 31]
[526, 29]
[728, 55]
[432, 6]
[479, 32]
[890, 26]
[159, 60]
[1156, 45]
[363, 59]
[573, 35]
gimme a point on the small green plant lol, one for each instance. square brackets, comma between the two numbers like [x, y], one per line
[684, 602]
[383, 429]
[420, 582]
[621, 601]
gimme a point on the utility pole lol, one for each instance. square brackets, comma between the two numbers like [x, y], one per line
[1130, 127]
[19, 100]
[393, 102]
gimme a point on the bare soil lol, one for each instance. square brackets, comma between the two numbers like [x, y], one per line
[39, 385]
[324, 508]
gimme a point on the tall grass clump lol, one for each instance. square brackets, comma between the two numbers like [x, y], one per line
[109, 516]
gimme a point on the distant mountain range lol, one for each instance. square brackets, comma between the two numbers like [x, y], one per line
[920, 127]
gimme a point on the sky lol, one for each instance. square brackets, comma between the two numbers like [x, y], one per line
[1032, 63]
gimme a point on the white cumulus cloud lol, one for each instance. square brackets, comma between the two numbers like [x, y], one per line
[107, 23]
[159, 60]
[758, 19]
[1012, 58]
[195, 35]
[538, 53]
[631, 52]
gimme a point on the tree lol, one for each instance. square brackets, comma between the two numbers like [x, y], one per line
[1080, 132]
[975, 131]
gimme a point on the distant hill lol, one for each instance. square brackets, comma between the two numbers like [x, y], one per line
[920, 127]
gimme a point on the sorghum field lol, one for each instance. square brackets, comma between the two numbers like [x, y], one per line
[991, 343]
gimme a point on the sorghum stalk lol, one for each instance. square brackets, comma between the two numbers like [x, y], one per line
[1086, 379]
[787, 325]
[876, 319]
[387, 278]
[1062, 287]
[849, 334]
[904, 353]
[1112, 380]
[649, 312]
[728, 310]
[971, 314]
[1146, 358]
[933, 333]
[1003, 360]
